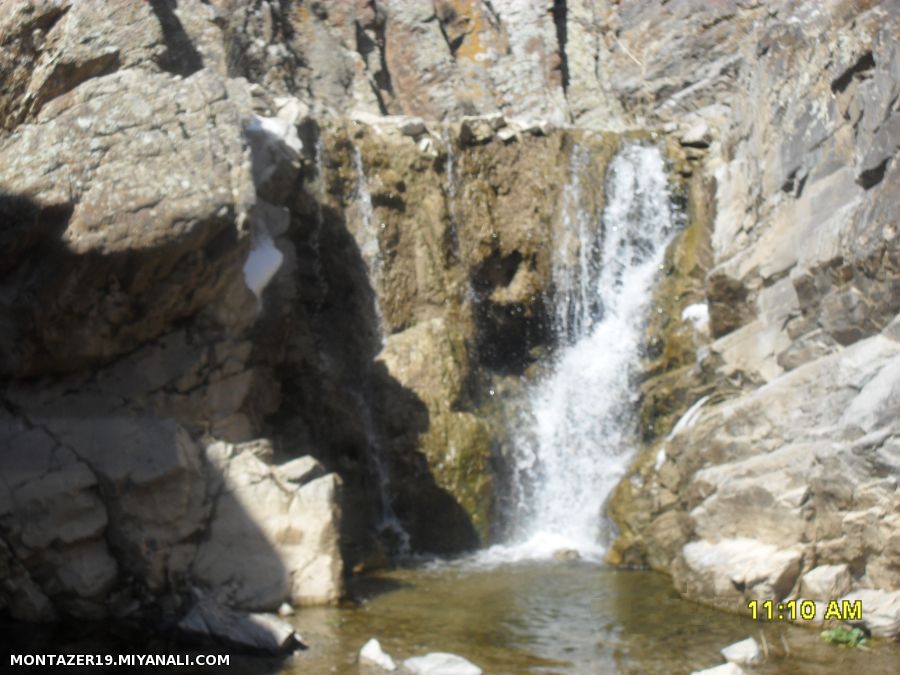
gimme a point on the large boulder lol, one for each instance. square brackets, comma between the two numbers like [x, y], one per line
[266, 633]
[269, 539]
[125, 185]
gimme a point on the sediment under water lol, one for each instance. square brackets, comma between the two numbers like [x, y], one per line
[547, 617]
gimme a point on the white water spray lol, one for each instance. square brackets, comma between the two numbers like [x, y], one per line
[577, 440]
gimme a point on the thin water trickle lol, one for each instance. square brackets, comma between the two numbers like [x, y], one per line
[367, 238]
[367, 235]
[451, 190]
[390, 530]
[576, 440]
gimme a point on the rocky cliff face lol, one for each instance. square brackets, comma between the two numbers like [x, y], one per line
[243, 234]
[212, 280]
[788, 463]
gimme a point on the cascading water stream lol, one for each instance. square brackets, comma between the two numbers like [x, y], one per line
[577, 439]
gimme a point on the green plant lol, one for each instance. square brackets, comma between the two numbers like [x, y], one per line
[852, 637]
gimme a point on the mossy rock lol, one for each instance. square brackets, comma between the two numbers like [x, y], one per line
[458, 446]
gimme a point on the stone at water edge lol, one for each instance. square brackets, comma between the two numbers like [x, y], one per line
[371, 652]
[880, 611]
[743, 653]
[267, 633]
[724, 669]
[826, 582]
[440, 663]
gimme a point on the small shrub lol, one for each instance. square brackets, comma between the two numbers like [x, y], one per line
[852, 637]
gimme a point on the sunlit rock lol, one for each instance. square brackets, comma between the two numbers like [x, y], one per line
[440, 663]
[372, 653]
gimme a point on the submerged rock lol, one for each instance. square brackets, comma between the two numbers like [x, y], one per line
[724, 669]
[441, 663]
[254, 632]
[566, 555]
[743, 653]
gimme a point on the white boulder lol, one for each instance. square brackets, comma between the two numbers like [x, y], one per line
[371, 652]
[727, 572]
[440, 663]
[743, 653]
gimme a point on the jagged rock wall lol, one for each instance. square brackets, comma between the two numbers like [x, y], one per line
[792, 462]
[137, 181]
[155, 399]
[134, 183]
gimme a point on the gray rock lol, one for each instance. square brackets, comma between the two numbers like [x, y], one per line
[253, 632]
[476, 130]
[99, 158]
[507, 134]
[697, 135]
[880, 611]
[826, 582]
[412, 126]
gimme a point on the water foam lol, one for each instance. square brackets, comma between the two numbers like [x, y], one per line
[575, 443]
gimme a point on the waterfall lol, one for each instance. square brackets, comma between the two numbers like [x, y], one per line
[367, 234]
[389, 528]
[576, 440]
[367, 238]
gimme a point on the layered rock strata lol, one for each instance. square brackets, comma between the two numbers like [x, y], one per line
[788, 462]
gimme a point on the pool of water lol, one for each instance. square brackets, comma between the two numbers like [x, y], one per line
[555, 618]
[547, 617]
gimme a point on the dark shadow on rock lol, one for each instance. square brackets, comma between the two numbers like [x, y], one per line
[181, 57]
[30, 236]
[343, 406]
[64, 312]
[107, 503]
[507, 335]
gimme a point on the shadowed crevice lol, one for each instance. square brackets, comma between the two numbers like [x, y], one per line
[181, 57]
[560, 12]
